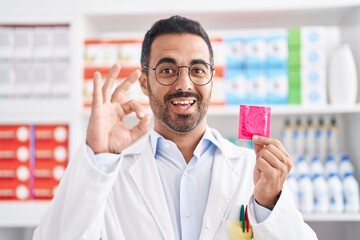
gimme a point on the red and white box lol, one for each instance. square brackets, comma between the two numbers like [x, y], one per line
[15, 164]
[51, 158]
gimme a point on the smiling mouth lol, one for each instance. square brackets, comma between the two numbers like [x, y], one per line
[184, 104]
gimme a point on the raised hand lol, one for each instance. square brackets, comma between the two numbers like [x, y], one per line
[273, 164]
[107, 131]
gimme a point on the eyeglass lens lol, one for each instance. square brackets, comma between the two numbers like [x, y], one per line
[168, 73]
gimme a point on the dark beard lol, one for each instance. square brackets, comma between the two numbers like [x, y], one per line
[181, 123]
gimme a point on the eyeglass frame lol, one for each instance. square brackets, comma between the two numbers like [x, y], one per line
[178, 73]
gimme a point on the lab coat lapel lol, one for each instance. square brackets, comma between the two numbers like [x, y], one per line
[146, 177]
[223, 184]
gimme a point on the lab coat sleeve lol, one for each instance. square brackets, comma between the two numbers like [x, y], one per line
[284, 221]
[78, 208]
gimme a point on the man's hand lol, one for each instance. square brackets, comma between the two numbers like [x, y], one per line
[107, 131]
[273, 164]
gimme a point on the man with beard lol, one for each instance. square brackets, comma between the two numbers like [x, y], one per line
[182, 180]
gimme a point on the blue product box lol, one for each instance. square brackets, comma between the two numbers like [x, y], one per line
[277, 50]
[235, 86]
[277, 86]
[255, 52]
[234, 52]
[257, 86]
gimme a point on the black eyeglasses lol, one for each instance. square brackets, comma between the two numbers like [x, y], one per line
[167, 73]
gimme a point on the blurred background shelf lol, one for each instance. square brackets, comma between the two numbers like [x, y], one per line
[21, 214]
[87, 19]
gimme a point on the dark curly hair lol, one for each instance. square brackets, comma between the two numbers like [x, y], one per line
[174, 24]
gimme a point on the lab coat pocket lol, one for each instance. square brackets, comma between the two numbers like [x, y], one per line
[233, 230]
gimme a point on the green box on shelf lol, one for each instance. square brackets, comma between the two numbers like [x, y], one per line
[294, 36]
[294, 58]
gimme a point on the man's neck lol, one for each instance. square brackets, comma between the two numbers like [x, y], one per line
[186, 142]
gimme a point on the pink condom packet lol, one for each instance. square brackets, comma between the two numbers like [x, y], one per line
[254, 120]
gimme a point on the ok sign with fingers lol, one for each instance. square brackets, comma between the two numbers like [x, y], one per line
[107, 131]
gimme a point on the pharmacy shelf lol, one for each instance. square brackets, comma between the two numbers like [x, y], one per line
[343, 217]
[216, 6]
[216, 15]
[21, 214]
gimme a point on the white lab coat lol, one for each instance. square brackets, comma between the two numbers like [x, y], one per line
[130, 204]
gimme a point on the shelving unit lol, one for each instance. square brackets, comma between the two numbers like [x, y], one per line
[21, 214]
[95, 19]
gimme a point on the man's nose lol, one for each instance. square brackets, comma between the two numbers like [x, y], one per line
[184, 82]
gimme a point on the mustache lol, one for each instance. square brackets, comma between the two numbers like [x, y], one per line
[182, 94]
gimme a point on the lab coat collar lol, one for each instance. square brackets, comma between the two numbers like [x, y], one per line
[207, 138]
[226, 148]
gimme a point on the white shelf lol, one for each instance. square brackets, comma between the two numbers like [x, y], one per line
[21, 214]
[345, 217]
[37, 112]
[216, 15]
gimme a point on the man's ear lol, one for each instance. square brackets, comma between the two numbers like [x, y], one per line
[143, 83]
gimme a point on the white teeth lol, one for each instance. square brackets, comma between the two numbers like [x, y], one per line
[183, 102]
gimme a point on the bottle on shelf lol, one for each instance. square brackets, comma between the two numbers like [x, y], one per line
[286, 136]
[320, 143]
[302, 167]
[299, 137]
[321, 193]
[345, 165]
[310, 137]
[331, 165]
[336, 195]
[316, 166]
[294, 187]
[306, 194]
[342, 66]
[351, 193]
[332, 137]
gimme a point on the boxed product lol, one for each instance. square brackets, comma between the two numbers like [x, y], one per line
[257, 86]
[234, 52]
[277, 86]
[236, 86]
[61, 41]
[15, 167]
[313, 86]
[277, 49]
[51, 158]
[255, 50]
[23, 40]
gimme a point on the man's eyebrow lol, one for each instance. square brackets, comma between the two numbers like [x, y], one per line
[172, 60]
[166, 60]
[199, 61]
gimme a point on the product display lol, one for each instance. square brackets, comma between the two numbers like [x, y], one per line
[322, 178]
[33, 159]
[15, 162]
[51, 156]
[342, 66]
[254, 66]
[34, 62]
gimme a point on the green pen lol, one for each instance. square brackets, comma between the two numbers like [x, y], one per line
[242, 217]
